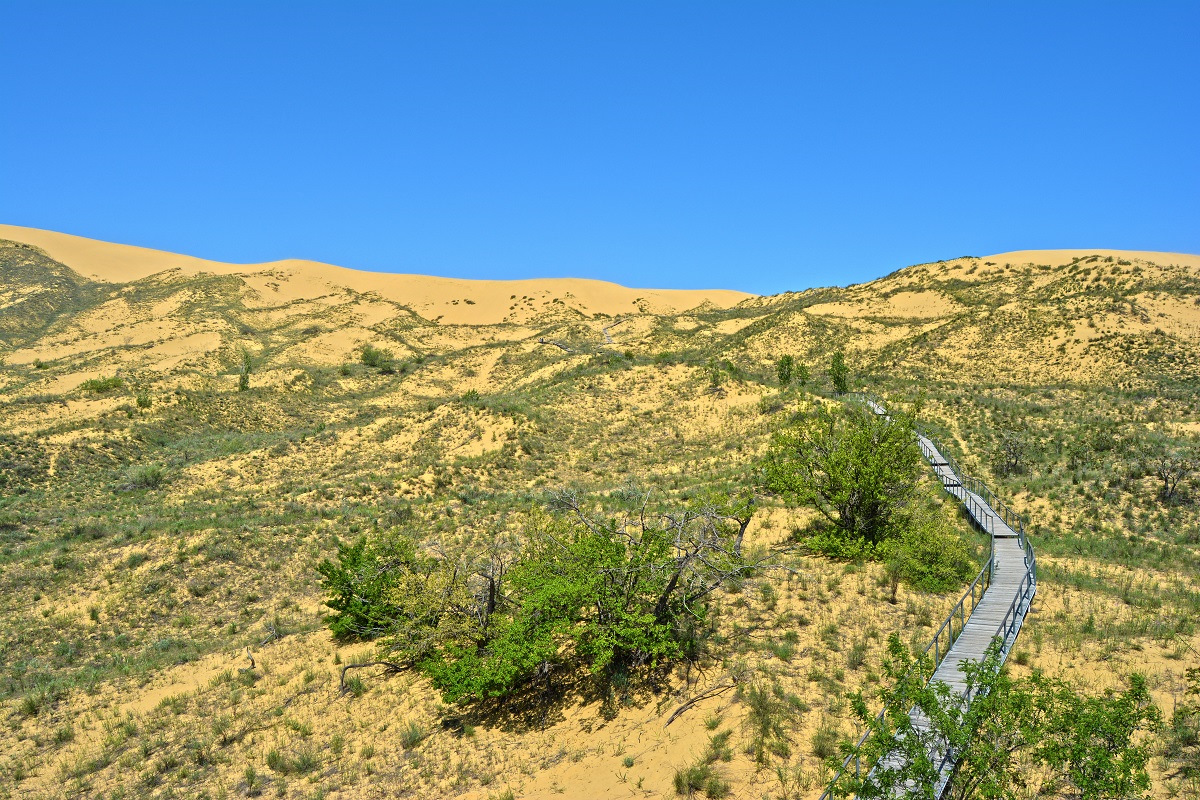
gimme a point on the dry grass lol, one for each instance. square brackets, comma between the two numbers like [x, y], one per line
[130, 610]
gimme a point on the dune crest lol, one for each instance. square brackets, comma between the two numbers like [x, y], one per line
[449, 300]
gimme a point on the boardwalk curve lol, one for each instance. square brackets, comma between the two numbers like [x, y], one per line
[994, 605]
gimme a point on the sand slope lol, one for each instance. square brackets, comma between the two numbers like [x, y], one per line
[1057, 258]
[450, 300]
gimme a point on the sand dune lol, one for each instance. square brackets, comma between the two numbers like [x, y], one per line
[1056, 258]
[451, 300]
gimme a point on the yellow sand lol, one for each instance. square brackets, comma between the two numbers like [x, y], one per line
[445, 299]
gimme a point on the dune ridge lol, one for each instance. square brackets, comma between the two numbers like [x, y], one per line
[450, 300]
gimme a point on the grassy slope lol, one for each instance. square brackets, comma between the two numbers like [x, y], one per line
[129, 610]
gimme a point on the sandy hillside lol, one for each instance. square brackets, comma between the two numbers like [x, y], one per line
[1057, 258]
[448, 300]
[161, 518]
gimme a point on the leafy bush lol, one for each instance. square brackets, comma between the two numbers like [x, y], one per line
[857, 468]
[101, 385]
[929, 554]
[359, 585]
[146, 476]
[380, 358]
[785, 369]
[839, 373]
[608, 593]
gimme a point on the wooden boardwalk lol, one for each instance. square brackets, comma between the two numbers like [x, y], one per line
[1002, 608]
[1006, 587]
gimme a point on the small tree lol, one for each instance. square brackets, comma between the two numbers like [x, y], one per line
[1089, 741]
[607, 591]
[802, 375]
[839, 373]
[784, 368]
[1003, 738]
[857, 468]
[244, 371]
[1172, 466]
[359, 585]
[1012, 454]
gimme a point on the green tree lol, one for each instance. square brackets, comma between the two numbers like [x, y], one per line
[1008, 730]
[244, 371]
[608, 592]
[839, 373]
[802, 375]
[358, 586]
[785, 368]
[857, 468]
[1182, 747]
[1089, 741]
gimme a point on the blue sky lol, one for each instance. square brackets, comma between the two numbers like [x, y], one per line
[750, 145]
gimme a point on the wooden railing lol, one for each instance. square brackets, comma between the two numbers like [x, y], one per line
[981, 504]
[940, 646]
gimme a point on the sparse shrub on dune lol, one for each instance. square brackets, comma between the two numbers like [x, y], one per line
[607, 593]
[785, 370]
[379, 358]
[146, 476]
[102, 385]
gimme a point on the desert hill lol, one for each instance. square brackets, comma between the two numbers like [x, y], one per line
[278, 283]
[181, 441]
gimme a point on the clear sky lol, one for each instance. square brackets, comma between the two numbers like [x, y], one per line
[748, 145]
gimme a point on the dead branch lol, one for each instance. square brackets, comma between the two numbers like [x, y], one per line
[713, 692]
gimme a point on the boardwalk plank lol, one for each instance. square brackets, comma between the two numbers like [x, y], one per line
[1004, 604]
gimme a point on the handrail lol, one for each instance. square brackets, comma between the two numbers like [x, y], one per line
[982, 580]
[984, 514]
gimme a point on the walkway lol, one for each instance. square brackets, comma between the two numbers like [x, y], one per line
[1006, 586]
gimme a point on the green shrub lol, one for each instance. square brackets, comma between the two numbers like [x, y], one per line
[359, 584]
[785, 370]
[839, 373]
[930, 555]
[380, 358]
[101, 385]
[146, 476]
[411, 735]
